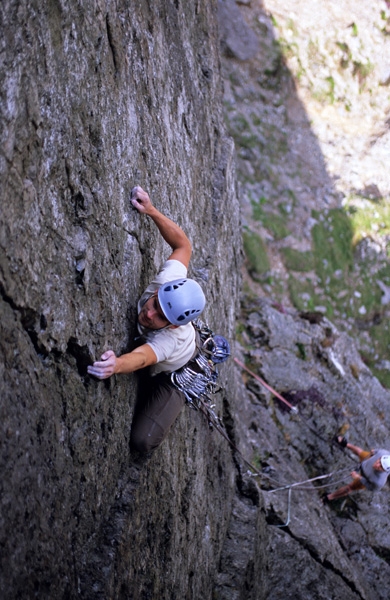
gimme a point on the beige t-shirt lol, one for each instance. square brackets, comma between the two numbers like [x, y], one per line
[173, 347]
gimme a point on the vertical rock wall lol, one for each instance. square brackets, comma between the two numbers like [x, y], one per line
[96, 98]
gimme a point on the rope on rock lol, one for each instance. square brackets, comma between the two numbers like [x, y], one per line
[295, 485]
[292, 408]
[291, 485]
[215, 423]
[204, 405]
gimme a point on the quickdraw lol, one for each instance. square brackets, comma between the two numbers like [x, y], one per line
[198, 378]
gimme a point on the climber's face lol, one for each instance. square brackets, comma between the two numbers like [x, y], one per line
[151, 315]
[377, 465]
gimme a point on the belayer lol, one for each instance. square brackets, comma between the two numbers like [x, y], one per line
[373, 472]
[165, 311]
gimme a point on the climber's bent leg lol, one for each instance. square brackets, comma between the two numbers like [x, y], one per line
[342, 492]
[156, 410]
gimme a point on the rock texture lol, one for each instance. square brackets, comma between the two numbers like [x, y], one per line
[338, 549]
[308, 108]
[301, 154]
[95, 99]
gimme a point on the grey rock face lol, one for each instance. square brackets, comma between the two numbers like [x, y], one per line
[299, 153]
[93, 101]
[314, 550]
[96, 99]
[237, 38]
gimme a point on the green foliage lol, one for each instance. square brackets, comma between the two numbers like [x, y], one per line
[292, 27]
[380, 347]
[362, 71]
[240, 329]
[249, 141]
[277, 285]
[332, 245]
[256, 461]
[368, 217]
[239, 124]
[331, 94]
[325, 92]
[297, 261]
[256, 253]
[256, 120]
[381, 337]
[257, 208]
[383, 376]
[287, 49]
[302, 293]
[275, 223]
[240, 130]
[347, 55]
[386, 29]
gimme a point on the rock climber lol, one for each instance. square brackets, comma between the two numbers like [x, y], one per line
[373, 472]
[165, 311]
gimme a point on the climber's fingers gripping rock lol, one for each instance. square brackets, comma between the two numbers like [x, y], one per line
[105, 367]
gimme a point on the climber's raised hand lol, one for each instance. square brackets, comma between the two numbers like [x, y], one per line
[140, 200]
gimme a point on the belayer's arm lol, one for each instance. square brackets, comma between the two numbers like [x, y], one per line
[170, 231]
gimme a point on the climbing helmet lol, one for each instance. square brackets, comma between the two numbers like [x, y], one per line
[385, 462]
[181, 300]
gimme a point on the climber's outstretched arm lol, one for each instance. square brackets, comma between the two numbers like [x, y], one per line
[170, 231]
[110, 364]
[362, 454]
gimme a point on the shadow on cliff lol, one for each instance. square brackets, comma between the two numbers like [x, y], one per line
[302, 242]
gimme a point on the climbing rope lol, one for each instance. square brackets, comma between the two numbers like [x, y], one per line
[198, 386]
[215, 423]
[297, 485]
[315, 488]
[203, 404]
[328, 475]
[293, 409]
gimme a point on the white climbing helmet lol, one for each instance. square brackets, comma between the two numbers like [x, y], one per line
[181, 300]
[385, 462]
